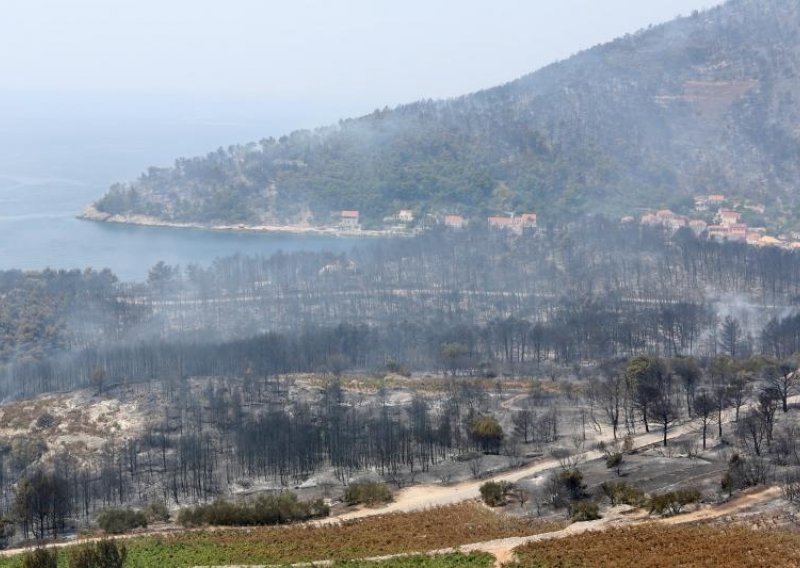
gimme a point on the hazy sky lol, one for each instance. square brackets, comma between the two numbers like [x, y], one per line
[367, 50]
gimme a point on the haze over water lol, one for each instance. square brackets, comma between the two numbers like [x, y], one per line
[53, 165]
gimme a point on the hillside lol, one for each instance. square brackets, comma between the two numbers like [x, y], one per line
[701, 104]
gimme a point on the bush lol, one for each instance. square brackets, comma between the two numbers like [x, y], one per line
[156, 513]
[266, 510]
[397, 369]
[673, 502]
[369, 493]
[487, 433]
[45, 421]
[494, 493]
[101, 554]
[614, 461]
[623, 494]
[40, 558]
[119, 521]
[746, 472]
[572, 481]
[583, 511]
[7, 531]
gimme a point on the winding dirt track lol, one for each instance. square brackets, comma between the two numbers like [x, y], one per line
[503, 549]
[420, 497]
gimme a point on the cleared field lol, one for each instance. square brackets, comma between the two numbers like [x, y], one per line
[656, 546]
[398, 533]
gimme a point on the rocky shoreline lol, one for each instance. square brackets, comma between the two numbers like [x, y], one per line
[92, 214]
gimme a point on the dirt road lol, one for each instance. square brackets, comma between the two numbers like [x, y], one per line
[425, 496]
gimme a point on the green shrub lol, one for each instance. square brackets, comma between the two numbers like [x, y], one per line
[583, 511]
[572, 482]
[623, 494]
[40, 558]
[369, 493]
[397, 369]
[614, 461]
[101, 554]
[673, 502]
[119, 521]
[157, 513]
[494, 493]
[487, 433]
[265, 510]
[7, 531]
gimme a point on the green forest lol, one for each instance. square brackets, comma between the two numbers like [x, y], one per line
[689, 107]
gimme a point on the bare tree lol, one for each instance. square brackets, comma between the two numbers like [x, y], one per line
[704, 408]
[782, 379]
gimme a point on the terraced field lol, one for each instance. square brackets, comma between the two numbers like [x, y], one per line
[659, 545]
[398, 533]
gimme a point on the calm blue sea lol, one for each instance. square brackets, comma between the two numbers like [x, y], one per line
[56, 156]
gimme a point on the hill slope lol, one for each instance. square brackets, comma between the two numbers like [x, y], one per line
[701, 104]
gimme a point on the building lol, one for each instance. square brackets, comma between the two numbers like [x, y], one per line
[715, 199]
[405, 216]
[500, 223]
[737, 233]
[700, 203]
[516, 224]
[664, 214]
[676, 222]
[698, 226]
[650, 220]
[728, 218]
[717, 232]
[755, 234]
[454, 221]
[527, 220]
[349, 220]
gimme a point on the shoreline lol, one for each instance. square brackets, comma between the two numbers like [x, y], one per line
[92, 214]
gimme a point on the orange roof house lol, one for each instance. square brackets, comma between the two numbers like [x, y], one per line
[454, 221]
[349, 220]
[500, 222]
[515, 223]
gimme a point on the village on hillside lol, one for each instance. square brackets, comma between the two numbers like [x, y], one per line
[720, 219]
[715, 217]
